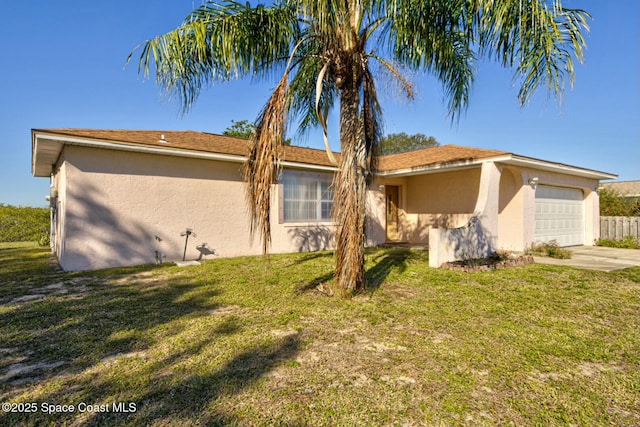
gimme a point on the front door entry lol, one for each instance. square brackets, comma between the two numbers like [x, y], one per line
[391, 193]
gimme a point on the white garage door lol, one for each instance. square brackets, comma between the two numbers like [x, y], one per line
[559, 215]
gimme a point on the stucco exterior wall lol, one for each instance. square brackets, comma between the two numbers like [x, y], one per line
[124, 208]
[478, 238]
[438, 200]
[511, 218]
[375, 223]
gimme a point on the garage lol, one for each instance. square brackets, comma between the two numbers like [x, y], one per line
[559, 215]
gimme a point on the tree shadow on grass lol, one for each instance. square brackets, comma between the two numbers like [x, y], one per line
[124, 335]
[19, 264]
[171, 394]
[85, 319]
[195, 395]
[384, 263]
[311, 256]
[313, 284]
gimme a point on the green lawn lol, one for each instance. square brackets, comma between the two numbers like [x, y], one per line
[247, 342]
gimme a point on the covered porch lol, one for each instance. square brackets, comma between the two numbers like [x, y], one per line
[472, 210]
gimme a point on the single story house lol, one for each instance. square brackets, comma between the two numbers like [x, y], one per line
[127, 197]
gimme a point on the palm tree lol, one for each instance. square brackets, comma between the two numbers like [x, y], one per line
[329, 50]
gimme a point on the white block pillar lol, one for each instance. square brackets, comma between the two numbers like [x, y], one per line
[479, 237]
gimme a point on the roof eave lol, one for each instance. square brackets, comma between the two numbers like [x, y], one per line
[522, 161]
[51, 145]
[47, 146]
[44, 155]
[439, 167]
[509, 159]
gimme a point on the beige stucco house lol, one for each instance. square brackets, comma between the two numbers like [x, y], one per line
[122, 197]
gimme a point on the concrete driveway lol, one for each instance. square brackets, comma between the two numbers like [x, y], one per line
[596, 258]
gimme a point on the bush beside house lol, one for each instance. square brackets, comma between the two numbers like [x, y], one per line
[619, 209]
[23, 223]
[613, 203]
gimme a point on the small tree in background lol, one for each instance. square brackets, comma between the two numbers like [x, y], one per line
[395, 143]
[612, 203]
[240, 129]
[244, 129]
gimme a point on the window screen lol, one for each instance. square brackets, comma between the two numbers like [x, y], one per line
[307, 197]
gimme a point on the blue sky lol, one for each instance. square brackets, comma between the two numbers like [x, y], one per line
[64, 62]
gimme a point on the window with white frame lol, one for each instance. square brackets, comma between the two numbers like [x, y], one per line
[307, 196]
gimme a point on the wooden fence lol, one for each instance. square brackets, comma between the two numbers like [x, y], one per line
[619, 227]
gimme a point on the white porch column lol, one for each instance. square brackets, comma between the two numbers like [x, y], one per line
[487, 205]
[479, 237]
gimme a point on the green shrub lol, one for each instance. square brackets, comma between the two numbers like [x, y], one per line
[21, 224]
[44, 239]
[629, 242]
[550, 249]
[613, 203]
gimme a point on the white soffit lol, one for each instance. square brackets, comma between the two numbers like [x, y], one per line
[45, 155]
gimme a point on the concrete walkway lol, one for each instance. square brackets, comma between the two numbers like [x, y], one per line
[596, 258]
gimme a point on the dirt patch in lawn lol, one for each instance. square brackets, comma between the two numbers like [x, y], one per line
[21, 373]
[495, 262]
[74, 288]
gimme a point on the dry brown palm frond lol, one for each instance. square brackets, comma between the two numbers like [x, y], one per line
[260, 170]
[371, 124]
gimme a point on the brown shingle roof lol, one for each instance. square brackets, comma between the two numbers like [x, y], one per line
[212, 143]
[433, 156]
[189, 140]
[48, 143]
[625, 188]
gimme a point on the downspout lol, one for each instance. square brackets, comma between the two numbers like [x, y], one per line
[53, 201]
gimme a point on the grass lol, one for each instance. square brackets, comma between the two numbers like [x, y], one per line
[628, 242]
[244, 342]
[550, 249]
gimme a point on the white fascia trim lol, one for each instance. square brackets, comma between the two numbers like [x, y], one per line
[509, 159]
[560, 168]
[439, 167]
[169, 151]
[123, 146]
[308, 166]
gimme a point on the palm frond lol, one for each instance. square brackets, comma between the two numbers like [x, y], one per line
[539, 40]
[217, 42]
[302, 97]
[429, 36]
[405, 84]
[260, 171]
[323, 113]
[371, 124]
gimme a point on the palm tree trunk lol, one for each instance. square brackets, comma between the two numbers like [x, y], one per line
[350, 187]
